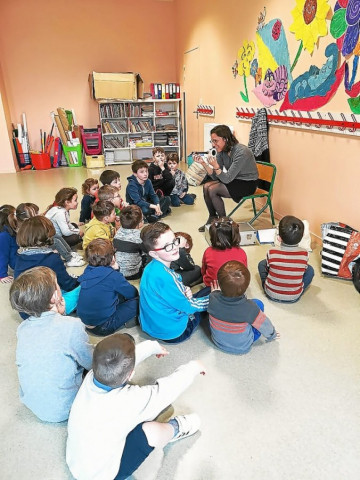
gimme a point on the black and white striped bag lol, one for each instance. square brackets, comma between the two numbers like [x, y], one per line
[335, 237]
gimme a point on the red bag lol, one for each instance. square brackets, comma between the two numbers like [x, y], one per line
[352, 251]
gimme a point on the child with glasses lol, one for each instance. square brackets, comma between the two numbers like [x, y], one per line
[168, 310]
[112, 194]
[225, 246]
[236, 322]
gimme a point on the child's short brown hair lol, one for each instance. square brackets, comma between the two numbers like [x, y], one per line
[131, 216]
[114, 359]
[291, 230]
[157, 150]
[100, 252]
[107, 192]
[135, 166]
[89, 182]
[173, 157]
[32, 291]
[109, 176]
[37, 231]
[233, 278]
[151, 232]
[187, 238]
[102, 209]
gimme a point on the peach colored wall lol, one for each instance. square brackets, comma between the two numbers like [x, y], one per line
[7, 160]
[318, 173]
[48, 48]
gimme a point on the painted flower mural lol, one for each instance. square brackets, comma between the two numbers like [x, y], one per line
[245, 56]
[309, 22]
[345, 25]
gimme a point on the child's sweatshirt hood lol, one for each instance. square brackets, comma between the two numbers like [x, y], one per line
[132, 179]
[92, 276]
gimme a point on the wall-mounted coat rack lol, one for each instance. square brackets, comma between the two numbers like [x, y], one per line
[345, 124]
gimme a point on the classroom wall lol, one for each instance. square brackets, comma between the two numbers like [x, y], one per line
[318, 173]
[48, 48]
[7, 160]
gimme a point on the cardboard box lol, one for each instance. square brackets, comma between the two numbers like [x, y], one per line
[116, 86]
[247, 234]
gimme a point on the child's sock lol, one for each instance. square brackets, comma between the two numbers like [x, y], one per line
[173, 422]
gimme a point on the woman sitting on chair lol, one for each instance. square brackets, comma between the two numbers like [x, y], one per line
[233, 170]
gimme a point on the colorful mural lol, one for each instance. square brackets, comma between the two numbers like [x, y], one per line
[276, 79]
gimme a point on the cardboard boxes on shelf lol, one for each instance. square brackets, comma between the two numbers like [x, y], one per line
[116, 86]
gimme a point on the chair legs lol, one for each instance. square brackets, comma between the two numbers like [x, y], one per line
[256, 213]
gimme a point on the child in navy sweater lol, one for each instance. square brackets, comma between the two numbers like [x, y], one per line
[89, 189]
[35, 239]
[107, 301]
[8, 246]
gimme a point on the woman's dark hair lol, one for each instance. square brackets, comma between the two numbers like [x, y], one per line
[62, 196]
[99, 252]
[224, 233]
[32, 291]
[5, 212]
[37, 231]
[224, 132]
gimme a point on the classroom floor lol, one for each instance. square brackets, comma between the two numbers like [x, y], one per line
[289, 409]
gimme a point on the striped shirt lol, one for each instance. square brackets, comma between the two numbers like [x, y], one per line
[287, 265]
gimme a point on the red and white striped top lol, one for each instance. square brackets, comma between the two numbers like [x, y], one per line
[287, 265]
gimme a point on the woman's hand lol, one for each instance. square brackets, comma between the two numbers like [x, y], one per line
[199, 159]
[213, 162]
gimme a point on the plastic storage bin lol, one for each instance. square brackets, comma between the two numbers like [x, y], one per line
[91, 140]
[73, 155]
[40, 161]
[95, 161]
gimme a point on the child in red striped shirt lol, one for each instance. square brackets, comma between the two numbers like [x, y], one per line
[285, 273]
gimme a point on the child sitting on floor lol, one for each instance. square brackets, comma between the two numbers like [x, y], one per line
[236, 322]
[100, 226]
[111, 177]
[168, 310]
[111, 429]
[285, 273]
[159, 173]
[8, 245]
[185, 265]
[35, 239]
[66, 199]
[89, 190]
[128, 244]
[140, 191]
[225, 245]
[107, 301]
[112, 194]
[179, 193]
[52, 350]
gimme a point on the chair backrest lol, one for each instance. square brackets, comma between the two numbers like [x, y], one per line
[267, 174]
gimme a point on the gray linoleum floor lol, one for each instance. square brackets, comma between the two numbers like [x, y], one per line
[289, 409]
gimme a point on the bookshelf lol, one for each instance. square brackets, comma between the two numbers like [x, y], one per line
[130, 130]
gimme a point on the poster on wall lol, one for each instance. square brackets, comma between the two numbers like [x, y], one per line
[269, 72]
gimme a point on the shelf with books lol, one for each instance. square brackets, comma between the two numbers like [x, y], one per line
[130, 130]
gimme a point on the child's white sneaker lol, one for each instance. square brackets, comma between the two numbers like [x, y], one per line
[76, 261]
[188, 425]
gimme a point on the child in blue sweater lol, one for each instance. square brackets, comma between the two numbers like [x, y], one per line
[168, 310]
[107, 301]
[35, 239]
[8, 246]
[90, 190]
[140, 191]
[52, 350]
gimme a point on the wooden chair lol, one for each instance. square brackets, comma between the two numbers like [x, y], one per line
[267, 174]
